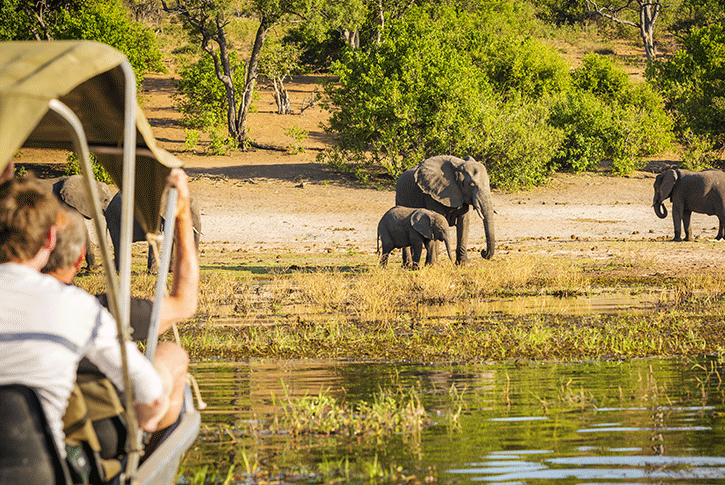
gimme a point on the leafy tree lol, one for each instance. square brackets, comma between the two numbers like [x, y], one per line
[693, 14]
[608, 116]
[108, 21]
[415, 94]
[104, 21]
[277, 62]
[203, 103]
[646, 13]
[566, 12]
[522, 66]
[207, 20]
[693, 84]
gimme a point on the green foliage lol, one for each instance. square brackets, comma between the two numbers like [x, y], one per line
[519, 143]
[693, 14]
[73, 167]
[278, 59]
[14, 23]
[417, 93]
[221, 142]
[599, 76]
[191, 140]
[298, 135]
[106, 21]
[566, 12]
[698, 153]
[693, 84]
[201, 97]
[523, 67]
[608, 116]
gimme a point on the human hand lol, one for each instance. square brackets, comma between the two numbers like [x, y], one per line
[149, 415]
[178, 178]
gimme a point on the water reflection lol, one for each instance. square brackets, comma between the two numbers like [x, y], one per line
[624, 422]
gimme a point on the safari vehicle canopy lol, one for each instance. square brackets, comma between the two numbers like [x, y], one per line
[81, 96]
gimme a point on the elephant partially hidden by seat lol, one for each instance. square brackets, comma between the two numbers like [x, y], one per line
[403, 227]
[701, 192]
[113, 223]
[71, 191]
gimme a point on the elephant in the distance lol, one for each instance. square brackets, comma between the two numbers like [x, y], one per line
[702, 192]
[113, 223]
[450, 186]
[405, 227]
[72, 192]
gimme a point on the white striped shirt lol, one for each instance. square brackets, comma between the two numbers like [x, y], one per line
[45, 329]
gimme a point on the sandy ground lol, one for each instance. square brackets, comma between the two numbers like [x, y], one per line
[265, 200]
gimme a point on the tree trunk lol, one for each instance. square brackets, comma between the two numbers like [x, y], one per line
[352, 38]
[250, 81]
[648, 14]
[281, 97]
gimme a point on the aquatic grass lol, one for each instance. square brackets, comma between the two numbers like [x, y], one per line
[390, 412]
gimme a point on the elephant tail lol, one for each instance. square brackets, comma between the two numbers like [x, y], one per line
[377, 244]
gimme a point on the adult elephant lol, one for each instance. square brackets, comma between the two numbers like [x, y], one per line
[71, 191]
[702, 192]
[450, 186]
[113, 223]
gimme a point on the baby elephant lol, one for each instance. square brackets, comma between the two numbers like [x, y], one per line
[401, 227]
[702, 192]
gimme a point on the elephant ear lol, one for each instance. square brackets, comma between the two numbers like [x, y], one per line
[668, 181]
[437, 178]
[420, 220]
[73, 193]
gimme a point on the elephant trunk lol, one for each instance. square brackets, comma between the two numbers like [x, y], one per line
[660, 208]
[448, 247]
[484, 208]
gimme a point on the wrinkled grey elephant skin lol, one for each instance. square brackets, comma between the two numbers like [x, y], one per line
[406, 227]
[701, 192]
[72, 193]
[113, 223]
[451, 186]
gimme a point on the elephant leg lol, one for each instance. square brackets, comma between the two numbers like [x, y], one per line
[90, 255]
[406, 257]
[462, 228]
[417, 251]
[431, 248]
[677, 222]
[686, 216]
[387, 249]
[721, 228]
[384, 259]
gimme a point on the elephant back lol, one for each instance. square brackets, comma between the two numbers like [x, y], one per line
[407, 192]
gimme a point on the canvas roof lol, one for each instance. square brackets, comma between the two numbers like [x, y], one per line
[86, 76]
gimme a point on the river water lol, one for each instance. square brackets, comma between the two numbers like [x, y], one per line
[640, 421]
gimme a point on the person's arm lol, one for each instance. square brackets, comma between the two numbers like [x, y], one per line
[103, 350]
[183, 298]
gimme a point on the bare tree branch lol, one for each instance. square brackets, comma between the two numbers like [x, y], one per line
[648, 10]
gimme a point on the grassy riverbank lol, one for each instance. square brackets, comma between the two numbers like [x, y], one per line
[344, 306]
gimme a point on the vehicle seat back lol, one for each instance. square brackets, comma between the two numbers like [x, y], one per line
[28, 453]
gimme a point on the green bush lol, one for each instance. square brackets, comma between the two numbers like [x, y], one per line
[108, 21]
[693, 84]
[600, 76]
[606, 116]
[523, 67]
[415, 95]
[519, 143]
[73, 167]
[586, 124]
